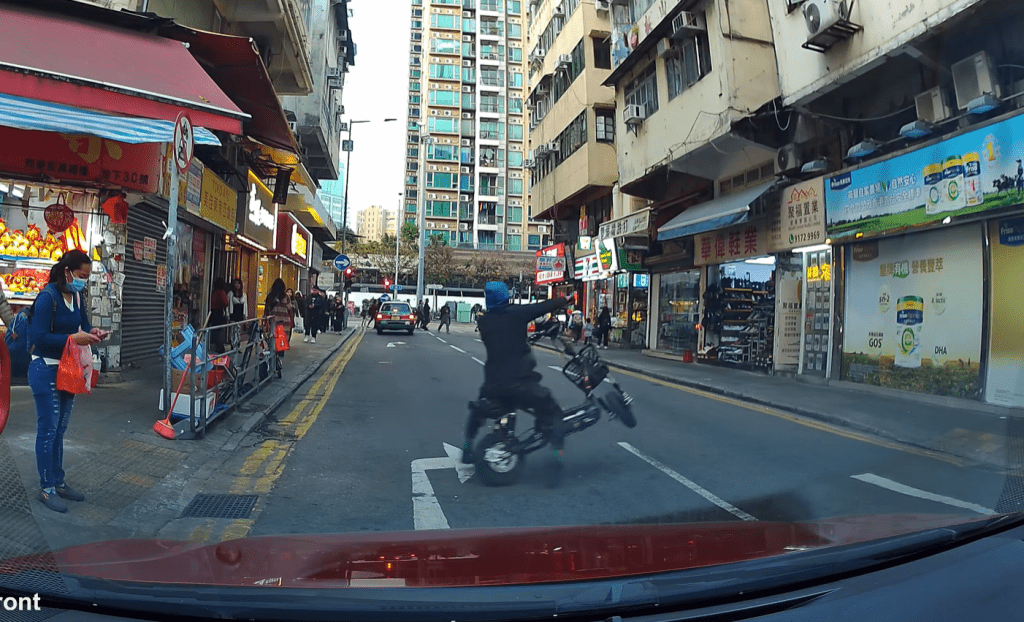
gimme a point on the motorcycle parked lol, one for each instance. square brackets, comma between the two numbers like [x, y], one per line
[501, 454]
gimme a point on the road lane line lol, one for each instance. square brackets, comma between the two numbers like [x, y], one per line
[888, 484]
[554, 367]
[426, 510]
[480, 340]
[478, 360]
[441, 340]
[707, 494]
[455, 348]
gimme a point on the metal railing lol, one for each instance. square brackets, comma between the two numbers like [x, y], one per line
[246, 363]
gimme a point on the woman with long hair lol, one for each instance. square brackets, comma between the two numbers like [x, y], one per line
[218, 313]
[278, 305]
[238, 302]
[57, 313]
[299, 310]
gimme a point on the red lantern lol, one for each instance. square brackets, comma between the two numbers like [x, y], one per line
[59, 216]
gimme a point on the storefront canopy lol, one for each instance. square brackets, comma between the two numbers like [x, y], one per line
[30, 114]
[728, 210]
[95, 66]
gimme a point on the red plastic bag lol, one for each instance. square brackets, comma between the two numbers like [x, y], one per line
[74, 374]
[281, 338]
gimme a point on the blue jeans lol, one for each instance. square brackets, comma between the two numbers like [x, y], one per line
[53, 411]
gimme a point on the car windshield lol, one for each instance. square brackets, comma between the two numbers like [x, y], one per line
[582, 291]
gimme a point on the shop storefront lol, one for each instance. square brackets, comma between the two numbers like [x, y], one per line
[256, 234]
[291, 256]
[917, 251]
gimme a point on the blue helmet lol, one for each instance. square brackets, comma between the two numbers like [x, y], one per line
[496, 294]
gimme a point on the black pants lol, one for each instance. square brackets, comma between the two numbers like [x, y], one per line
[526, 395]
[446, 323]
[313, 324]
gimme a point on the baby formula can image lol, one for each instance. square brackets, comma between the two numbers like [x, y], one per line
[909, 321]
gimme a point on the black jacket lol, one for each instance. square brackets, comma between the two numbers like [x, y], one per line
[504, 333]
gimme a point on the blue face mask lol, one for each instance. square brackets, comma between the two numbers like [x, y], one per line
[76, 285]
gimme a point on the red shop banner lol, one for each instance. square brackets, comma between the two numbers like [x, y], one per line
[552, 265]
[293, 240]
[77, 158]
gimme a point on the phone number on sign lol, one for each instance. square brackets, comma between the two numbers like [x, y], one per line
[810, 236]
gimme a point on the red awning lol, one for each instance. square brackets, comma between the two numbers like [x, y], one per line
[90, 65]
[235, 64]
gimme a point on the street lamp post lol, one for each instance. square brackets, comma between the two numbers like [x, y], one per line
[398, 231]
[348, 160]
[425, 141]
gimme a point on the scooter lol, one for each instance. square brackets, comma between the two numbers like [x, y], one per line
[501, 454]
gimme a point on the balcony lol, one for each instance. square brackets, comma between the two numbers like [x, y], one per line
[491, 30]
[277, 27]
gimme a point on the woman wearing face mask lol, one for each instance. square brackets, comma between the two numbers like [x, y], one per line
[57, 313]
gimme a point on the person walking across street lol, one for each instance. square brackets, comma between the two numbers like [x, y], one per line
[425, 316]
[316, 308]
[218, 313]
[57, 313]
[604, 327]
[279, 306]
[446, 319]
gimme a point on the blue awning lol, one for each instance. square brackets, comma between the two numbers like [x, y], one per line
[728, 210]
[32, 114]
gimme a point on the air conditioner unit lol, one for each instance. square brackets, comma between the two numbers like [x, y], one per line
[542, 229]
[687, 24]
[633, 114]
[465, 170]
[467, 14]
[787, 159]
[553, 147]
[343, 35]
[558, 11]
[564, 61]
[333, 72]
[466, 142]
[463, 197]
[665, 47]
[820, 15]
[539, 53]
[447, 113]
[933, 105]
[529, 164]
[467, 115]
[542, 89]
[430, 225]
[467, 89]
[293, 126]
[341, 110]
[343, 127]
[467, 38]
[974, 77]
[602, 5]
[463, 226]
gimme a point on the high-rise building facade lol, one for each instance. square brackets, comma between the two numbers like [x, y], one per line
[467, 137]
[374, 222]
[335, 206]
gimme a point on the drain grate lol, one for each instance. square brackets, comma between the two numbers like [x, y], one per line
[220, 506]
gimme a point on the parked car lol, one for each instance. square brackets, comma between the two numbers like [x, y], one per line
[395, 316]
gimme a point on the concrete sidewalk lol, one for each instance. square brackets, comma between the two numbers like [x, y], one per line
[975, 433]
[131, 476]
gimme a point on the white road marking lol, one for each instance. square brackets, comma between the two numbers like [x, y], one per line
[455, 348]
[478, 360]
[480, 340]
[395, 344]
[888, 484]
[555, 367]
[465, 471]
[441, 340]
[426, 511]
[707, 494]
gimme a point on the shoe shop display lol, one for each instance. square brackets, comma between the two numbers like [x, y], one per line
[741, 312]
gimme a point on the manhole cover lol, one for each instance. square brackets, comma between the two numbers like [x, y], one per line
[220, 506]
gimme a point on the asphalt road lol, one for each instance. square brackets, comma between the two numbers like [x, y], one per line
[693, 457]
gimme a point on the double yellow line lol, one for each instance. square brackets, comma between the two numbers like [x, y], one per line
[266, 463]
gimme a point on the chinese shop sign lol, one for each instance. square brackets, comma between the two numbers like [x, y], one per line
[801, 221]
[749, 239]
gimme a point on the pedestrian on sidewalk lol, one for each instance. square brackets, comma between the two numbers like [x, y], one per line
[446, 319]
[604, 327]
[425, 317]
[588, 331]
[316, 308]
[299, 311]
[337, 314]
[278, 306]
[238, 301]
[57, 313]
[218, 313]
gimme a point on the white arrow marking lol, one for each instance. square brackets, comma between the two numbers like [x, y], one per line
[395, 344]
[426, 511]
[459, 349]
[478, 360]
[465, 471]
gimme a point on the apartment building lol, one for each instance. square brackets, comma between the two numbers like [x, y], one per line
[467, 137]
[375, 222]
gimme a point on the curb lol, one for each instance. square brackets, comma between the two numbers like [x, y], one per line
[256, 418]
[808, 414]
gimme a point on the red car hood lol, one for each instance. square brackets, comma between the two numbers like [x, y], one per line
[463, 557]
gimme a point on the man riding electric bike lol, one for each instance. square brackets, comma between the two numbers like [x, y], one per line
[509, 376]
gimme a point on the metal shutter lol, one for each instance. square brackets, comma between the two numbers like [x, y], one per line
[144, 306]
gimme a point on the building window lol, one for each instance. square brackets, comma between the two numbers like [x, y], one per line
[490, 5]
[513, 242]
[515, 55]
[515, 158]
[515, 186]
[515, 131]
[444, 72]
[515, 79]
[689, 65]
[444, 153]
[514, 7]
[492, 130]
[414, 113]
[417, 12]
[490, 77]
[605, 122]
[439, 208]
[602, 54]
[410, 180]
[411, 166]
[515, 31]
[417, 24]
[643, 91]
[414, 99]
[515, 105]
[414, 86]
[414, 73]
[442, 125]
[443, 98]
[442, 181]
[444, 46]
[444, 21]
[410, 208]
[417, 36]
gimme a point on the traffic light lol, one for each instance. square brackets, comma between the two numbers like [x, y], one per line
[348, 278]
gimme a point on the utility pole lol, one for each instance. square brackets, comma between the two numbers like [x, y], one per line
[425, 142]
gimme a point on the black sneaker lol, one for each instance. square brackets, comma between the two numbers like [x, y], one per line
[70, 493]
[467, 456]
[52, 501]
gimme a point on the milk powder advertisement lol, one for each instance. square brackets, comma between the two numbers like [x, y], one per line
[1005, 385]
[914, 312]
[977, 171]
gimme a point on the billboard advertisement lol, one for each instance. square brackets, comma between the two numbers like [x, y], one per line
[1005, 381]
[977, 171]
[914, 312]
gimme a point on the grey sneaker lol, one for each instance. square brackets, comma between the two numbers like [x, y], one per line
[70, 493]
[52, 501]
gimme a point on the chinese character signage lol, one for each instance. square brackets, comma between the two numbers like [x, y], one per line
[801, 219]
[974, 172]
[551, 265]
[788, 314]
[914, 313]
[749, 239]
[257, 214]
[189, 185]
[293, 240]
[75, 158]
[217, 202]
[636, 223]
